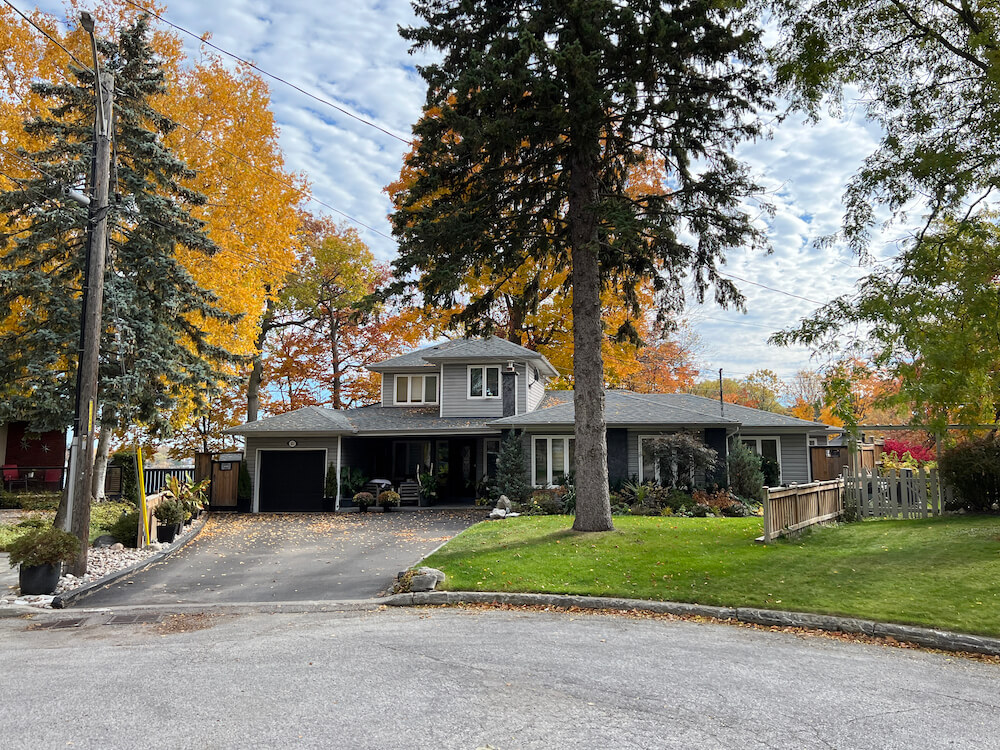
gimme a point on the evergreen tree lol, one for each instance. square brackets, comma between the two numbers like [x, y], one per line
[534, 119]
[155, 353]
[512, 470]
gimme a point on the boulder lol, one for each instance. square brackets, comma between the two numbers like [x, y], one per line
[503, 503]
[105, 540]
[426, 579]
[498, 513]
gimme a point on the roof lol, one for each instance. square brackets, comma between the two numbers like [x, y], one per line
[492, 349]
[362, 421]
[304, 420]
[627, 408]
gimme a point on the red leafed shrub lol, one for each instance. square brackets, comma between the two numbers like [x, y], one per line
[918, 453]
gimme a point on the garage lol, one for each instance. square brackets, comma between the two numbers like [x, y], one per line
[291, 481]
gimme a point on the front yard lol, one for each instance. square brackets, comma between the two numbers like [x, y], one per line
[938, 572]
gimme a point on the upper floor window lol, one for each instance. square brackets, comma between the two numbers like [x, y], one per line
[484, 381]
[416, 389]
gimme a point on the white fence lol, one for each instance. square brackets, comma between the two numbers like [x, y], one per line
[896, 494]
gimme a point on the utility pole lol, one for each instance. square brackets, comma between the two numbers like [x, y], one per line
[722, 401]
[82, 454]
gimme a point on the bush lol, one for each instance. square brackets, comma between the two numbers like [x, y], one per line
[745, 476]
[352, 480]
[48, 546]
[545, 503]
[104, 515]
[244, 485]
[681, 457]
[973, 469]
[31, 501]
[364, 499]
[170, 512]
[512, 471]
[388, 499]
[125, 529]
[130, 485]
[771, 471]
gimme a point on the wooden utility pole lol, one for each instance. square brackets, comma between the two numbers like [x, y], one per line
[82, 456]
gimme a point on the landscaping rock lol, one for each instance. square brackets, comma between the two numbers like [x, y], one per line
[498, 513]
[426, 579]
[105, 540]
[503, 503]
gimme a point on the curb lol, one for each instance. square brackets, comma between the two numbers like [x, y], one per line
[67, 598]
[943, 640]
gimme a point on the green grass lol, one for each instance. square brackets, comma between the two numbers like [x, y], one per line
[102, 517]
[940, 572]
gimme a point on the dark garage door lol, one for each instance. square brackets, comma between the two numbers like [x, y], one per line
[291, 481]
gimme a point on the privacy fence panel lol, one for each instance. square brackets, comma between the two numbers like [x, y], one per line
[896, 493]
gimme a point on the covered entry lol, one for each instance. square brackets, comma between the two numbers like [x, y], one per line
[291, 480]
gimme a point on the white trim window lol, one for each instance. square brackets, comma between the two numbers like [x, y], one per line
[649, 467]
[768, 446]
[484, 381]
[553, 459]
[415, 390]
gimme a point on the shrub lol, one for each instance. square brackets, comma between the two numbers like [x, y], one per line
[48, 546]
[244, 485]
[771, 471]
[973, 469]
[364, 499]
[352, 480]
[745, 476]
[512, 471]
[105, 514]
[130, 484]
[681, 457]
[899, 450]
[125, 529]
[170, 512]
[32, 501]
[388, 499]
[545, 503]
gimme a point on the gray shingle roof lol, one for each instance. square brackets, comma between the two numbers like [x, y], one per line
[489, 350]
[629, 408]
[306, 419]
[376, 419]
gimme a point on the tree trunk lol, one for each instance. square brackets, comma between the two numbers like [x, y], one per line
[335, 359]
[103, 450]
[257, 372]
[593, 505]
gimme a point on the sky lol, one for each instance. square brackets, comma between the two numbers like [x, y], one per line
[350, 54]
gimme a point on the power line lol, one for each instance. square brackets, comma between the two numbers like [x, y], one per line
[319, 99]
[771, 288]
[48, 36]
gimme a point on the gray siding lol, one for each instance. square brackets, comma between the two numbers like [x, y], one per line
[534, 391]
[454, 401]
[794, 454]
[389, 384]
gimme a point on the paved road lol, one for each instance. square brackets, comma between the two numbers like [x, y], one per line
[290, 557]
[435, 678]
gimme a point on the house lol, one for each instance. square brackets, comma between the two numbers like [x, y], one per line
[30, 459]
[445, 409]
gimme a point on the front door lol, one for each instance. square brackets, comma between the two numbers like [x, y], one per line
[462, 467]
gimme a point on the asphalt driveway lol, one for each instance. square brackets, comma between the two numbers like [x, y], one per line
[290, 557]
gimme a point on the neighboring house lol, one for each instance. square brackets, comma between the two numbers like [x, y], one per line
[446, 408]
[31, 460]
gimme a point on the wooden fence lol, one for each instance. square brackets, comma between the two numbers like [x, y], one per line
[788, 509]
[897, 494]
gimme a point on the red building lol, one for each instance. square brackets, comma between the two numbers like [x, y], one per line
[32, 459]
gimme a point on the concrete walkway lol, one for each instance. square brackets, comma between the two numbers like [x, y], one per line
[289, 557]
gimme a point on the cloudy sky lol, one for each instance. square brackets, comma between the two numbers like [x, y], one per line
[350, 54]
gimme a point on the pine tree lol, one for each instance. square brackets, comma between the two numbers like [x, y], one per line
[155, 353]
[512, 470]
[534, 119]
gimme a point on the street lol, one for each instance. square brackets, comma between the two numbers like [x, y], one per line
[458, 678]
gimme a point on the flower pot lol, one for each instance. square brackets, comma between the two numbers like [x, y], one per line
[362, 509]
[166, 534]
[178, 529]
[39, 579]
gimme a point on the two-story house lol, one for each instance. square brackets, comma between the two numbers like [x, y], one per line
[445, 409]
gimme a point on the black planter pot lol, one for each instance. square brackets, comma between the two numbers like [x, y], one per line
[362, 509]
[166, 534]
[178, 529]
[39, 579]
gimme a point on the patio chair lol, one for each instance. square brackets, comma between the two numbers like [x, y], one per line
[12, 477]
[53, 476]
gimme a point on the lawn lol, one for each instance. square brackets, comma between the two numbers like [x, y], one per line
[939, 572]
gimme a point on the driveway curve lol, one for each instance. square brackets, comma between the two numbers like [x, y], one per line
[289, 557]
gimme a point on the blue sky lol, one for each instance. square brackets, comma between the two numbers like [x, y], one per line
[351, 54]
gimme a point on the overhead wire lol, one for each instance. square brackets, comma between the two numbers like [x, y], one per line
[201, 39]
[48, 36]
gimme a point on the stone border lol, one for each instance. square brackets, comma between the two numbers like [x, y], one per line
[928, 637]
[68, 598]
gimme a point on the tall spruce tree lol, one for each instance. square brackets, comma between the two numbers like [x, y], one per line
[155, 353]
[534, 117]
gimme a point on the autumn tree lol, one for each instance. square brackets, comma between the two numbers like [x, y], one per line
[543, 111]
[927, 74]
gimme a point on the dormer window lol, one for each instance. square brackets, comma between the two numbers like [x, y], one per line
[484, 381]
[416, 390]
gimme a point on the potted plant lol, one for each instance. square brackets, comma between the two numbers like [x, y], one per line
[388, 500]
[170, 513]
[190, 496]
[363, 500]
[429, 485]
[41, 553]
